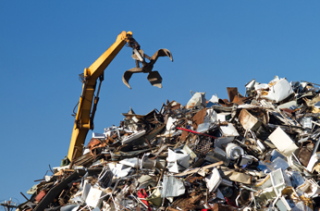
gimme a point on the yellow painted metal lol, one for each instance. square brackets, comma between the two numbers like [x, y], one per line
[91, 74]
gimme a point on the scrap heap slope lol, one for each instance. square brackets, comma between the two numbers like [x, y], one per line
[256, 151]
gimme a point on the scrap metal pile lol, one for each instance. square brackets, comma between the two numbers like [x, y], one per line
[257, 151]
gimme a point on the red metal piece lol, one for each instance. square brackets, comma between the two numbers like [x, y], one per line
[143, 194]
[231, 203]
[40, 195]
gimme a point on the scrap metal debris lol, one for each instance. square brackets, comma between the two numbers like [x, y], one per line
[257, 151]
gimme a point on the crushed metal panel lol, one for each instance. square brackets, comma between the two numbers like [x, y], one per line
[224, 116]
[278, 181]
[229, 130]
[105, 178]
[234, 151]
[279, 89]
[222, 142]
[313, 160]
[196, 100]
[198, 169]
[94, 197]
[290, 105]
[248, 121]
[281, 204]
[232, 92]
[309, 189]
[283, 142]
[214, 180]
[133, 137]
[177, 160]
[172, 187]
[235, 176]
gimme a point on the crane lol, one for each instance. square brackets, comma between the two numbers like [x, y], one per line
[87, 104]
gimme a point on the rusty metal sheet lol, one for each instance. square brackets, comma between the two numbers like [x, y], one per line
[239, 100]
[198, 118]
[235, 176]
[232, 92]
[248, 121]
[235, 96]
[225, 103]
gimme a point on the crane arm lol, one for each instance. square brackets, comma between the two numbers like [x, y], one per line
[83, 120]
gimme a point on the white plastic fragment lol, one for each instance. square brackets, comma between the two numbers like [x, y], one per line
[196, 100]
[174, 167]
[211, 116]
[93, 198]
[170, 127]
[278, 181]
[214, 99]
[176, 159]
[189, 151]
[309, 189]
[133, 137]
[214, 180]
[148, 163]
[132, 162]
[250, 84]
[223, 116]
[47, 178]
[278, 90]
[108, 131]
[86, 189]
[119, 170]
[282, 204]
[172, 187]
[204, 127]
[313, 160]
[306, 122]
[135, 119]
[229, 130]
[290, 105]
[98, 135]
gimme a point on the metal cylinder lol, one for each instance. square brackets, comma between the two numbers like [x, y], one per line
[234, 151]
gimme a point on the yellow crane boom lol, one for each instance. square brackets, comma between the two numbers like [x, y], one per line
[85, 114]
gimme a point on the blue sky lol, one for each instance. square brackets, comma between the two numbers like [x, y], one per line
[44, 45]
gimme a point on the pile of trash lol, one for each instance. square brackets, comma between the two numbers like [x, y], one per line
[257, 151]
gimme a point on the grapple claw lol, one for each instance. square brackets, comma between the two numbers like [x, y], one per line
[161, 52]
[127, 75]
[155, 79]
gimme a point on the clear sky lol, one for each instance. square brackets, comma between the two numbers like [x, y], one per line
[44, 45]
